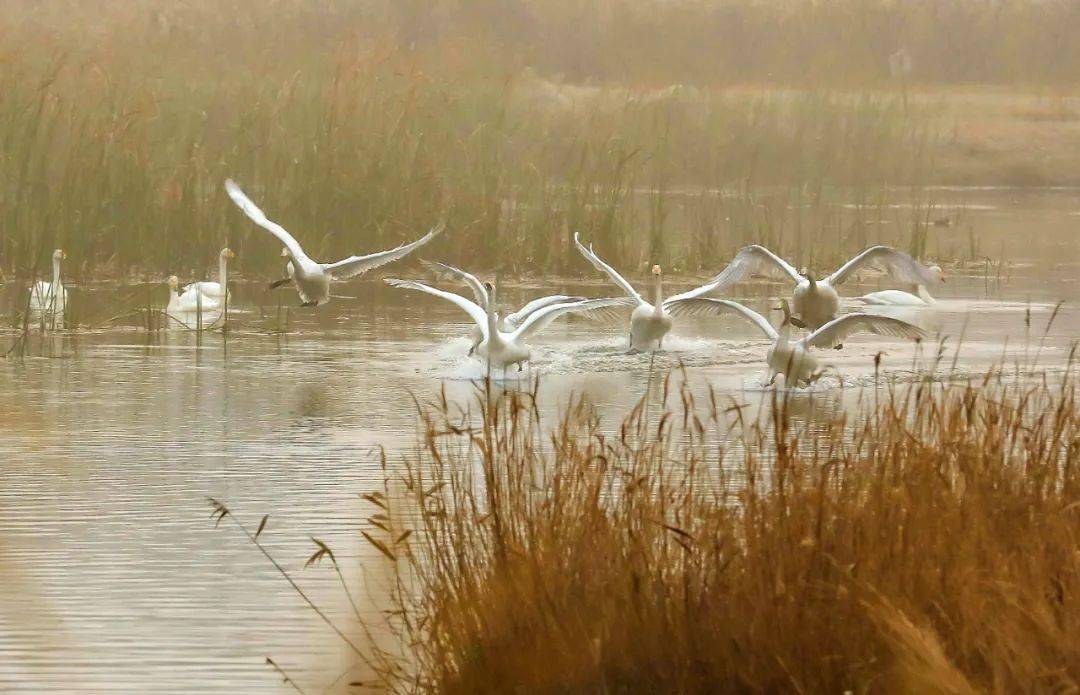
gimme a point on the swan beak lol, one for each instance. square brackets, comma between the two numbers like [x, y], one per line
[63, 255]
[229, 253]
[284, 253]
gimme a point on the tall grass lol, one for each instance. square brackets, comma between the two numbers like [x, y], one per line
[118, 126]
[925, 543]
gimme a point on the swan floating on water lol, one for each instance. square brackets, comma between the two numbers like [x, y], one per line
[311, 278]
[49, 299]
[503, 348]
[816, 302]
[901, 298]
[507, 323]
[649, 322]
[792, 358]
[185, 309]
[212, 293]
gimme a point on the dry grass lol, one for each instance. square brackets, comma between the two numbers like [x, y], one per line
[926, 544]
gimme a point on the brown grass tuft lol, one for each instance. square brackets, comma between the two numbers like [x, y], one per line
[926, 544]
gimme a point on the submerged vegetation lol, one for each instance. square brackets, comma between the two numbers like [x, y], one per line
[924, 543]
[359, 124]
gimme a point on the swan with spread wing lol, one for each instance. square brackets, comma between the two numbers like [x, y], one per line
[503, 348]
[816, 301]
[506, 323]
[793, 358]
[649, 321]
[311, 278]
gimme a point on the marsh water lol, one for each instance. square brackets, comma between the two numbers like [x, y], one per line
[111, 440]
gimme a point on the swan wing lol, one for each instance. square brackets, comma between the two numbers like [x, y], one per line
[836, 331]
[355, 265]
[537, 304]
[471, 308]
[474, 284]
[749, 260]
[899, 265]
[542, 318]
[707, 306]
[619, 280]
[259, 217]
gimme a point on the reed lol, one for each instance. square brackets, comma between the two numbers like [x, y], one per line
[924, 543]
[356, 141]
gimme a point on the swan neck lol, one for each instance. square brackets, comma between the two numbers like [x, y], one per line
[493, 327]
[56, 271]
[223, 264]
[658, 294]
[924, 295]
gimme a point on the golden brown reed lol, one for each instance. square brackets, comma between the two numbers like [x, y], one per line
[926, 543]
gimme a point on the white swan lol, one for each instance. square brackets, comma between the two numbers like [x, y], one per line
[213, 293]
[506, 323]
[311, 278]
[50, 298]
[792, 358]
[185, 309]
[505, 348]
[649, 322]
[816, 302]
[901, 298]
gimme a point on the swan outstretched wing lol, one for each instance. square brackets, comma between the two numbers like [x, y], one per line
[836, 331]
[751, 259]
[537, 304]
[473, 283]
[707, 306]
[259, 217]
[605, 268]
[541, 318]
[471, 308]
[899, 264]
[355, 265]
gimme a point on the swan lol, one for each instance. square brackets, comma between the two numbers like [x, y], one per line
[311, 278]
[184, 309]
[213, 293]
[50, 298]
[901, 298]
[792, 358]
[506, 323]
[649, 322]
[816, 302]
[503, 348]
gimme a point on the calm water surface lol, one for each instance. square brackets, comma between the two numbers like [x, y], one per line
[115, 578]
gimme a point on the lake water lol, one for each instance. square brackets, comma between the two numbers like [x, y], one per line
[111, 440]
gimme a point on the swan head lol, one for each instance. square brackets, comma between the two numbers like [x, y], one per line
[938, 272]
[285, 252]
[227, 253]
[786, 308]
[173, 282]
[59, 255]
[656, 270]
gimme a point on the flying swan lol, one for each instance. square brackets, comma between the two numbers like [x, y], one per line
[792, 358]
[503, 348]
[311, 278]
[816, 302]
[649, 322]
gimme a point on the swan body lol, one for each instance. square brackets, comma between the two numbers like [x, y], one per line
[212, 293]
[900, 298]
[816, 301]
[793, 358]
[311, 278]
[503, 348]
[649, 321]
[185, 309]
[50, 298]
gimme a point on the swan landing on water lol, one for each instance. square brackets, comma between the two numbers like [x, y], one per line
[311, 278]
[792, 358]
[503, 348]
[816, 302]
